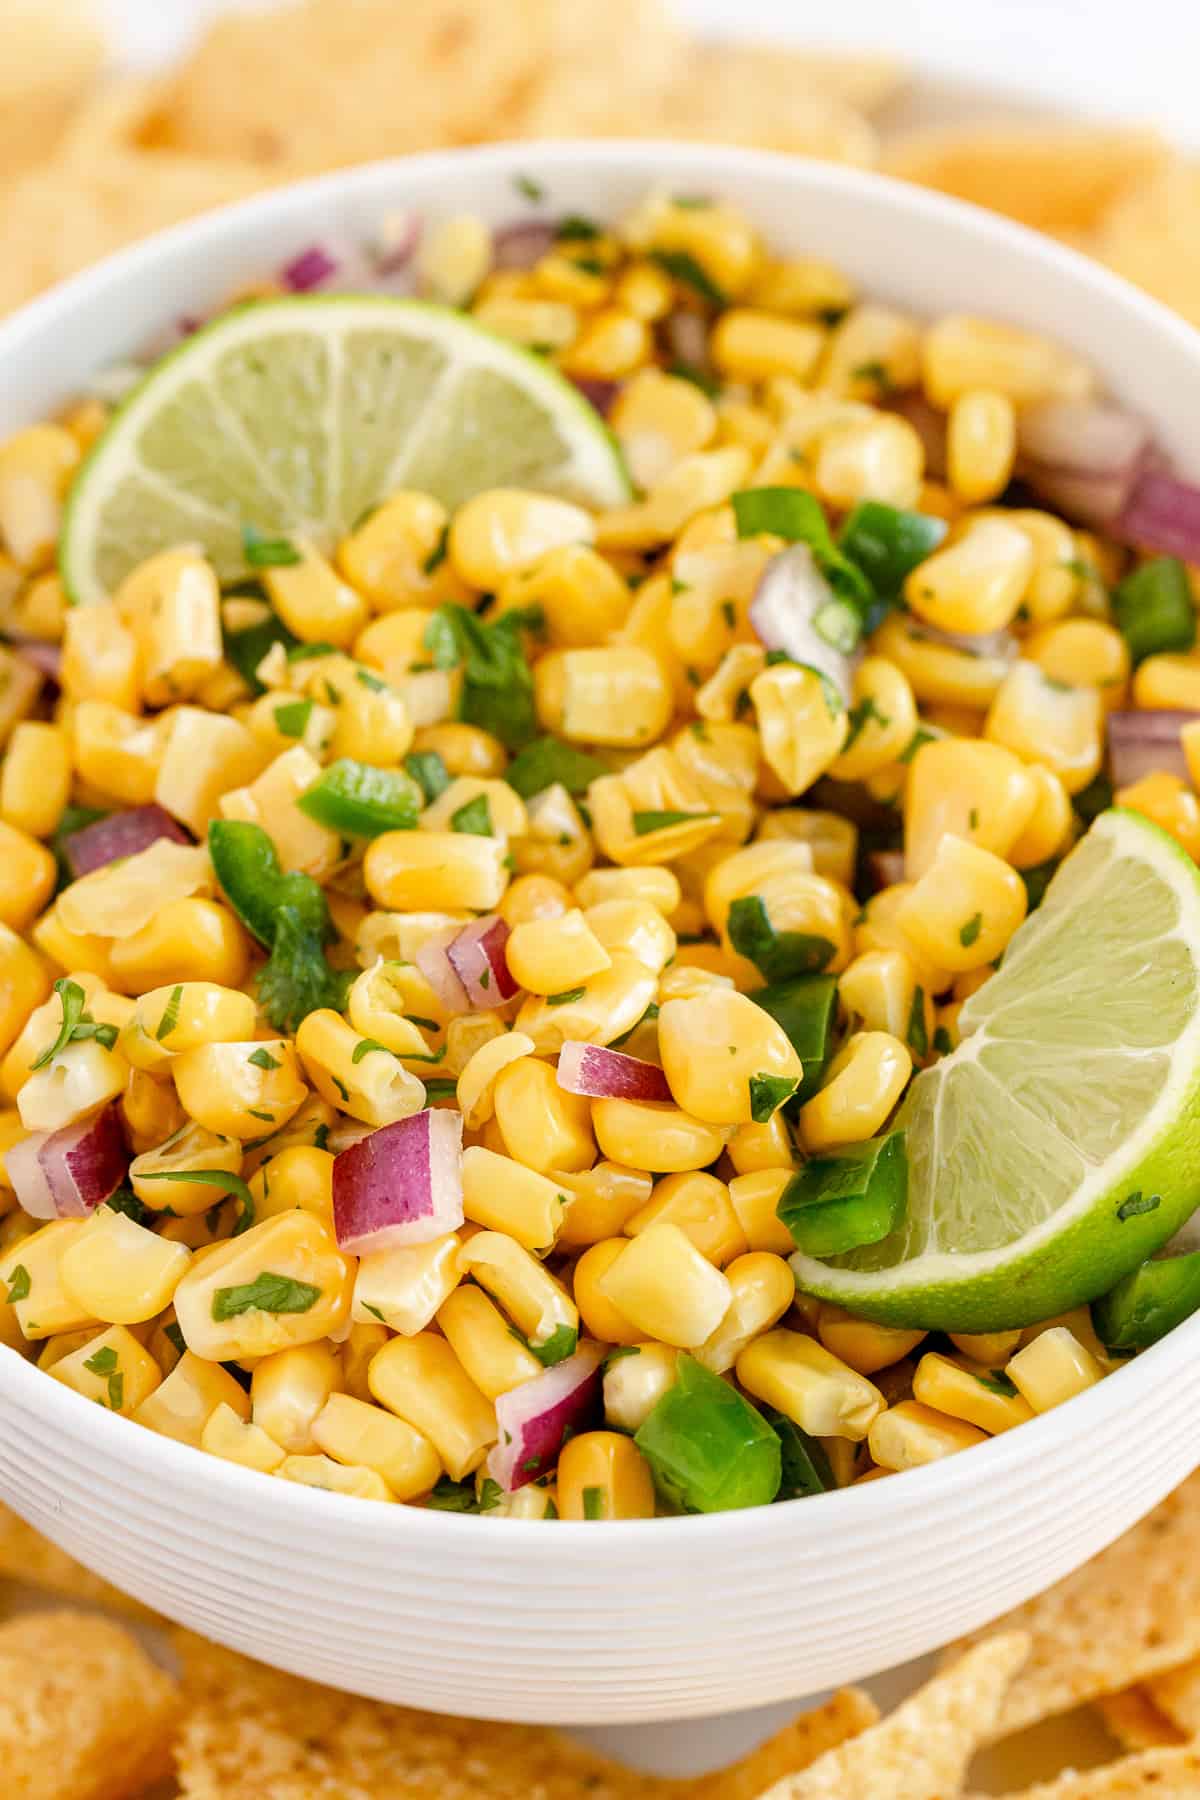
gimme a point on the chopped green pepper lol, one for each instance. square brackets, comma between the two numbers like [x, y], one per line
[846, 1197]
[778, 955]
[286, 913]
[709, 1450]
[806, 1467]
[806, 1007]
[1153, 608]
[1147, 1304]
[887, 543]
[359, 800]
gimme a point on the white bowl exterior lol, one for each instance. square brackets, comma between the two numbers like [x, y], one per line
[642, 1620]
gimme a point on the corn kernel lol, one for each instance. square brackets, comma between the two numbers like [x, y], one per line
[281, 1283]
[404, 1287]
[184, 1402]
[981, 444]
[357, 1434]
[802, 729]
[603, 1475]
[859, 1089]
[36, 466]
[289, 1389]
[537, 1304]
[411, 870]
[422, 1381]
[861, 1343]
[908, 1435]
[726, 1059]
[635, 1383]
[966, 906]
[1043, 720]
[35, 778]
[240, 1442]
[1053, 1368]
[113, 1369]
[981, 1398]
[654, 1134]
[492, 1355]
[1170, 803]
[763, 1288]
[960, 353]
[120, 1272]
[666, 1288]
[979, 792]
[322, 1472]
[813, 1388]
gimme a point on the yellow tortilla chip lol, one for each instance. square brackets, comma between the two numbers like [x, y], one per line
[330, 82]
[1176, 1694]
[27, 1556]
[1155, 1775]
[1131, 1612]
[84, 1713]
[49, 57]
[253, 1732]
[1152, 237]
[1133, 1720]
[922, 1750]
[1061, 180]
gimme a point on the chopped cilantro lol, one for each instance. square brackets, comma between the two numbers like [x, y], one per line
[778, 955]
[262, 1059]
[594, 1504]
[528, 188]
[19, 1284]
[1138, 1203]
[291, 720]
[547, 762]
[566, 997]
[768, 1093]
[170, 1015]
[262, 552]
[437, 555]
[574, 228]
[997, 1382]
[646, 822]
[365, 1046]
[474, 817]
[970, 932]
[268, 1292]
[796, 515]
[681, 266]
[497, 692]
[429, 772]
[685, 371]
[77, 1023]
[918, 1034]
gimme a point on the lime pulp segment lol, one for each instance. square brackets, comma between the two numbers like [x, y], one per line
[297, 415]
[1059, 1144]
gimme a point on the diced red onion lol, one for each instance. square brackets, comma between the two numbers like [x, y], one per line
[1081, 456]
[600, 394]
[67, 1174]
[790, 593]
[605, 1074]
[477, 957]
[1142, 743]
[47, 658]
[686, 336]
[311, 269]
[929, 425]
[534, 1418]
[525, 242]
[1161, 514]
[439, 972]
[121, 834]
[886, 867]
[400, 1185]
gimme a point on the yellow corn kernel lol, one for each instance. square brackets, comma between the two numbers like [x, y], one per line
[79, 1079]
[582, 597]
[182, 1016]
[645, 290]
[813, 1388]
[100, 657]
[36, 466]
[878, 990]
[1083, 652]
[545, 325]
[981, 444]
[333, 1478]
[832, 840]
[871, 351]
[477, 1081]
[386, 558]
[558, 843]
[41, 1029]
[301, 1175]
[355, 1433]
[611, 1004]
[635, 927]
[717, 236]
[542, 1126]
[699, 1205]
[618, 695]
[697, 482]
[658, 886]
[861, 1343]
[38, 610]
[536, 1303]
[413, 870]
[611, 345]
[357, 1351]
[203, 756]
[879, 929]
[235, 1089]
[27, 876]
[1043, 720]
[940, 673]
[991, 1348]
[718, 1050]
[467, 1034]
[292, 1259]
[802, 285]
[599, 1201]
[1054, 585]
[184, 1402]
[563, 274]
[976, 583]
[172, 604]
[755, 1147]
[549, 956]
[314, 604]
[879, 458]
[421, 1380]
[20, 685]
[802, 728]
[504, 1196]
[505, 809]
[11, 1133]
[602, 1318]
[190, 1148]
[119, 1271]
[654, 1134]
[374, 1087]
[965, 908]
[1169, 680]
[270, 801]
[1170, 803]
[980, 1398]
[113, 1369]
[372, 723]
[504, 530]
[35, 778]
[381, 1002]
[666, 1288]
[763, 1289]
[454, 257]
[494, 1358]
[658, 419]
[858, 1091]
[1053, 1368]
[748, 345]
[636, 1382]
[289, 1389]
[909, 1435]
[115, 752]
[960, 353]
[45, 1307]
[603, 1475]
[883, 718]
[240, 1442]
[979, 792]
[465, 749]
[1051, 823]
[187, 941]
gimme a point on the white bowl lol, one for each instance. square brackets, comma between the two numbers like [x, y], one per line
[662, 1618]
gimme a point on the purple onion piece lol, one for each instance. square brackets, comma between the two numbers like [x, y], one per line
[477, 956]
[67, 1174]
[605, 1074]
[1162, 514]
[1144, 743]
[121, 834]
[598, 393]
[46, 658]
[523, 243]
[534, 1418]
[400, 1185]
[686, 336]
[439, 972]
[929, 425]
[1087, 437]
[885, 867]
[311, 269]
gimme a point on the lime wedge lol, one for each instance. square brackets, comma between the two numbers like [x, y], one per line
[296, 416]
[1059, 1145]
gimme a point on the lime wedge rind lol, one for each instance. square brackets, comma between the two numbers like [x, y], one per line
[296, 415]
[1089, 1214]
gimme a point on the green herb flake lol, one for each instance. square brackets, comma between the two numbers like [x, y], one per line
[973, 819]
[566, 997]
[262, 1059]
[729, 614]
[441, 1087]
[365, 1046]
[919, 737]
[269, 1293]
[620, 1351]
[170, 1016]
[970, 932]
[19, 1284]
[373, 1310]
[73, 1001]
[942, 1042]
[103, 1362]
[368, 679]
[474, 817]
[646, 822]
[768, 1093]
[174, 1336]
[997, 1382]
[561, 1343]
[1138, 1203]
[262, 552]
[291, 720]
[429, 772]
[778, 955]
[699, 378]
[437, 555]
[918, 1034]
[875, 372]
[497, 691]
[859, 717]
[682, 267]
[797, 516]
[528, 188]
[595, 1504]
[575, 228]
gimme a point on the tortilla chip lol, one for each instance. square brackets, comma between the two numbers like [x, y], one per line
[922, 1750]
[84, 1713]
[251, 1732]
[1131, 1612]
[1135, 1722]
[1156, 1775]
[49, 57]
[27, 1556]
[1176, 1694]
[1152, 237]
[589, 78]
[325, 83]
[1062, 180]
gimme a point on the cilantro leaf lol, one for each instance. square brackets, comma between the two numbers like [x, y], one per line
[797, 516]
[767, 1095]
[778, 955]
[547, 762]
[263, 552]
[497, 690]
[473, 817]
[268, 1292]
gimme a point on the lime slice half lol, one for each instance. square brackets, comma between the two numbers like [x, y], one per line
[1059, 1145]
[296, 416]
